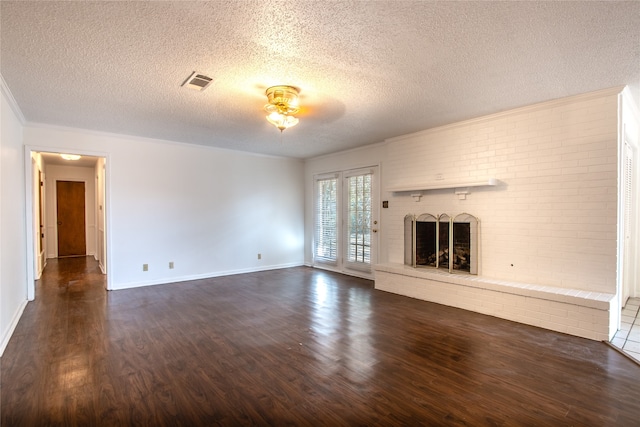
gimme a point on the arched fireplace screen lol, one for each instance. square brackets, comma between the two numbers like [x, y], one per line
[442, 242]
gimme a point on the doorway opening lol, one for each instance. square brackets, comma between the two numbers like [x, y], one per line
[68, 210]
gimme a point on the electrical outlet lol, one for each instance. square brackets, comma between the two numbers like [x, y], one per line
[170, 264]
[259, 256]
[145, 267]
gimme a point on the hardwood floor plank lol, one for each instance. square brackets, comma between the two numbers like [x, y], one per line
[293, 347]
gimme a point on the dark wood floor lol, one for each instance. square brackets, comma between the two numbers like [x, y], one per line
[293, 347]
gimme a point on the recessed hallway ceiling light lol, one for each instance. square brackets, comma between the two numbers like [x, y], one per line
[70, 156]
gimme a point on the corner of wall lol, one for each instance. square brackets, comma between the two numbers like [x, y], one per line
[13, 262]
[4, 89]
[6, 335]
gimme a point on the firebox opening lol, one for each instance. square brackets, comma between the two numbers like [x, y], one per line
[462, 246]
[442, 242]
[426, 243]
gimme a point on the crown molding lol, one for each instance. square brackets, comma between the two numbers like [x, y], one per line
[11, 100]
[381, 144]
[123, 136]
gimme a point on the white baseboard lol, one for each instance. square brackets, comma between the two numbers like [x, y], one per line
[12, 326]
[354, 273]
[177, 279]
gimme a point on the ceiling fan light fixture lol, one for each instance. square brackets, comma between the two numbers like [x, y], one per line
[282, 105]
[282, 121]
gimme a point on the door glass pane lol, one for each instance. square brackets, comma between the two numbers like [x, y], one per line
[326, 242]
[359, 216]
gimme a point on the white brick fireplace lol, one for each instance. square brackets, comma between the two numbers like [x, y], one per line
[544, 185]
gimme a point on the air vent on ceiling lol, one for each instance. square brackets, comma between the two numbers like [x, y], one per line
[197, 81]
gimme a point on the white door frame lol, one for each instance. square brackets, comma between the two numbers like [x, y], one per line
[31, 248]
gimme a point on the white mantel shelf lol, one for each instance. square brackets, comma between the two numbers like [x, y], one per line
[442, 185]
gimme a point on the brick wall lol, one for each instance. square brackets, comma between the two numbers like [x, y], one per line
[552, 219]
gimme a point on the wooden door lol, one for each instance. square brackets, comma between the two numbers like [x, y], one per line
[71, 221]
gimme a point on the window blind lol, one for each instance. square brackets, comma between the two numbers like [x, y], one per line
[326, 229]
[359, 219]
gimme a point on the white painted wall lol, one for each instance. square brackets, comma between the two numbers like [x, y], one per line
[210, 211]
[13, 259]
[54, 173]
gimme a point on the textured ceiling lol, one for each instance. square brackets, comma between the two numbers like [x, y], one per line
[367, 70]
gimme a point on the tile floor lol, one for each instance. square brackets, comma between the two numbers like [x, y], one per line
[628, 337]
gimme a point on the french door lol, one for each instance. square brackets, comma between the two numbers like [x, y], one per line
[346, 220]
